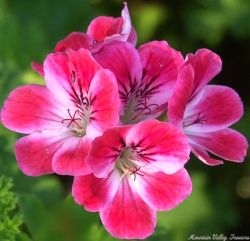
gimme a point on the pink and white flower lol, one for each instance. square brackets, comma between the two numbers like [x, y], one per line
[205, 112]
[137, 170]
[80, 101]
[145, 77]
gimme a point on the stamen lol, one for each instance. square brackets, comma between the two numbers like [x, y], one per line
[199, 120]
[136, 171]
[127, 162]
[72, 119]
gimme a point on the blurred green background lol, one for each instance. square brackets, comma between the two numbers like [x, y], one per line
[41, 208]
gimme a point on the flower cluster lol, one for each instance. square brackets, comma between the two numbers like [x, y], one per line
[122, 120]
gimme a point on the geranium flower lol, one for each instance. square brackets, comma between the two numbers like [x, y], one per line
[145, 77]
[137, 170]
[80, 100]
[101, 30]
[206, 111]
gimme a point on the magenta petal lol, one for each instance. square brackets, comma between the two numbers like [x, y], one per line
[164, 192]
[206, 65]
[103, 26]
[30, 108]
[38, 68]
[34, 152]
[218, 108]
[70, 159]
[94, 193]
[104, 99]
[127, 216]
[75, 41]
[67, 71]
[126, 67]
[163, 146]
[203, 155]
[181, 93]
[105, 151]
[107, 29]
[227, 144]
[160, 65]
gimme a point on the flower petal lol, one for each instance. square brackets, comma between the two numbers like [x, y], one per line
[105, 151]
[75, 41]
[160, 65]
[104, 99]
[181, 93]
[107, 29]
[127, 216]
[206, 65]
[126, 67]
[69, 73]
[70, 159]
[103, 26]
[128, 32]
[30, 108]
[37, 67]
[227, 144]
[203, 155]
[163, 192]
[34, 152]
[218, 108]
[161, 145]
[95, 193]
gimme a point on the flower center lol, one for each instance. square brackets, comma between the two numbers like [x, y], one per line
[136, 107]
[128, 162]
[78, 121]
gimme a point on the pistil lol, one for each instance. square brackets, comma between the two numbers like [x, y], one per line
[126, 163]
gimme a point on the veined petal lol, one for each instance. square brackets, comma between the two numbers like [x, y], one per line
[160, 65]
[70, 159]
[218, 108]
[161, 145]
[227, 144]
[105, 151]
[34, 152]
[69, 73]
[95, 193]
[104, 100]
[30, 108]
[163, 192]
[128, 216]
[206, 65]
[75, 41]
[126, 67]
[181, 93]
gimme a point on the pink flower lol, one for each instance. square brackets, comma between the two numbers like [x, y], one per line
[145, 77]
[137, 170]
[206, 111]
[101, 30]
[80, 100]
